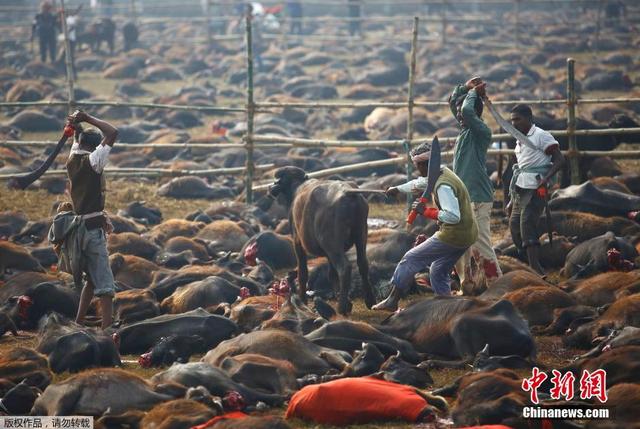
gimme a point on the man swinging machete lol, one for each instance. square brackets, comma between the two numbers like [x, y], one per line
[458, 228]
[81, 234]
[537, 160]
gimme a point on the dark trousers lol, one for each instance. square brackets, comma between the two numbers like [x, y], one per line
[527, 208]
[48, 45]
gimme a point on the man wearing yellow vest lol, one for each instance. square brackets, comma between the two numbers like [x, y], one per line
[439, 253]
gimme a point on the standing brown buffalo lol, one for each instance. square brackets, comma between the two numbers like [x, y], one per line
[326, 221]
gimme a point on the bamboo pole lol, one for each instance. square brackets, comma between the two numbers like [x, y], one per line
[210, 145]
[158, 172]
[598, 25]
[68, 60]
[443, 17]
[208, 17]
[268, 141]
[410, 125]
[124, 104]
[516, 23]
[571, 121]
[134, 12]
[248, 139]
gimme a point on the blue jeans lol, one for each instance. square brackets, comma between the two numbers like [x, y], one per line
[439, 257]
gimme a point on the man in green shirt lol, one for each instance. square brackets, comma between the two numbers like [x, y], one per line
[469, 164]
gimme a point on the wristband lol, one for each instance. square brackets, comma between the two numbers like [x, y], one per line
[431, 213]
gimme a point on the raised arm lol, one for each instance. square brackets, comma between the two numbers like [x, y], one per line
[469, 114]
[109, 132]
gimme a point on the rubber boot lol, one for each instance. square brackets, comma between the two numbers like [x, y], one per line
[391, 302]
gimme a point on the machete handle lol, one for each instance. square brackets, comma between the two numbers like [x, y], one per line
[412, 217]
[414, 213]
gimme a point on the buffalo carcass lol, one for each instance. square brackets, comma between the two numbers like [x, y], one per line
[603, 253]
[458, 328]
[141, 336]
[306, 357]
[71, 347]
[93, 392]
[591, 199]
[216, 381]
[326, 221]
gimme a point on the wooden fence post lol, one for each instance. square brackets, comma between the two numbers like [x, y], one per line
[250, 112]
[412, 78]
[516, 23]
[208, 13]
[571, 122]
[71, 97]
[443, 13]
[134, 11]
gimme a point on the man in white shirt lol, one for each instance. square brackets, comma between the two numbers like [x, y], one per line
[538, 161]
[89, 155]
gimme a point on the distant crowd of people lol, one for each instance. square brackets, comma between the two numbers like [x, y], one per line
[47, 28]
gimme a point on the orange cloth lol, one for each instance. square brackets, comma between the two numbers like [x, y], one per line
[356, 400]
[487, 427]
[216, 419]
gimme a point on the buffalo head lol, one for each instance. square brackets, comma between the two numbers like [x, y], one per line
[287, 180]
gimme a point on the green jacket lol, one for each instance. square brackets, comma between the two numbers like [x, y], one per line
[470, 153]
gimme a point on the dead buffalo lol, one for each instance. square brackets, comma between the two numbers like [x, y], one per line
[15, 257]
[39, 300]
[130, 243]
[20, 283]
[273, 249]
[139, 212]
[261, 373]
[204, 293]
[72, 348]
[584, 226]
[177, 414]
[604, 288]
[165, 284]
[216, 381]
[593, 256]
[621, 364]
[174, 348]
[510, 282]
[19, 399]
[487, 398]
[458, 328]
[349, 336]
[93, 392]
[306, 357]
[537, 303]
[624, 312]
[141, 336]
[133, 305]
[568, 318]
[19, 363]
[134, 271]
[591, 199]
[628, 336]
[326, 221]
